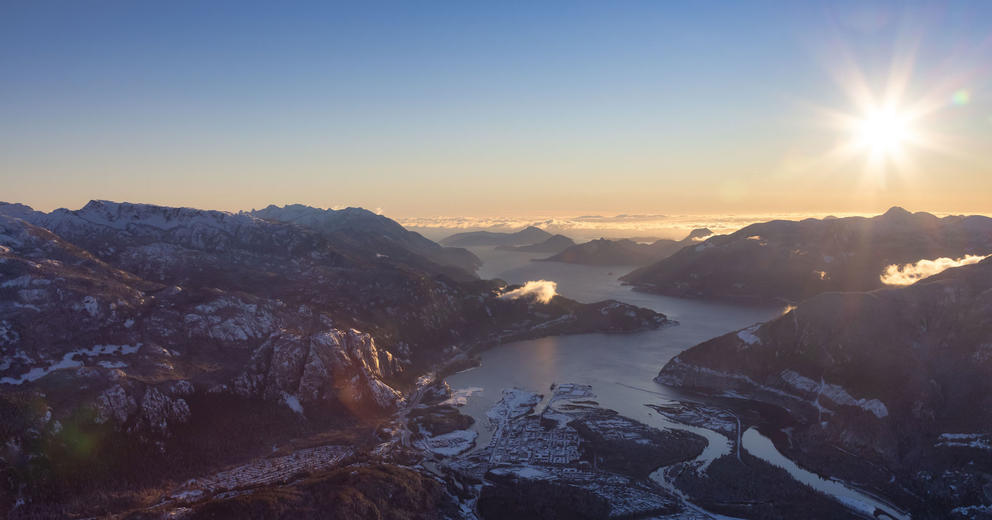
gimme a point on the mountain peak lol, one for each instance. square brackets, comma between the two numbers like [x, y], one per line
[16, 210]
[699, 233]
[120, 215]
[896, 211]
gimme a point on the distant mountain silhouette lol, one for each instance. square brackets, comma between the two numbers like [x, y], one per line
[555, 244]
[526, 236]
[793, 260]
[624, 251]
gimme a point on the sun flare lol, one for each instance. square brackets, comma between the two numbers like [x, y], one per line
[883, 131]
[888, 129]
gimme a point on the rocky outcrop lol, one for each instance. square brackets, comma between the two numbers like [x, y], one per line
[329, 365]
[153, 412]
[115, 404]
[159, 411]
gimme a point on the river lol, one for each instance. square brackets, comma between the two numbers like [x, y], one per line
[619, 367]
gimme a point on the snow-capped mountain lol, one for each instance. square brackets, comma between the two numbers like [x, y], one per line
[374, 231]
[137, 323]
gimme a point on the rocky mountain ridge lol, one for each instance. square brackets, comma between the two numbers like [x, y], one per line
[375, 231]
[893, 377]
[130, 324]
[793, 260]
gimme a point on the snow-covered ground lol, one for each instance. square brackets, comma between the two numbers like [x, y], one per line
[513, 403]
[263, 471]
[69, 361]
[450, 444]
[978, 441]
[460, 397]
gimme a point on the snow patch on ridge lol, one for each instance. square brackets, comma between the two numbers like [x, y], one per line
[69, 361]
[748, 335]
[678, 373]
[978, 441]
[292, 402]
[835, 393]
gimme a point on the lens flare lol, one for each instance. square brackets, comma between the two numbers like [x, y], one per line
[961, 98]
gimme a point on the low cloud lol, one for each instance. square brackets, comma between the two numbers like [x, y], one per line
[541, 291]
[588, 227]
[911, 273]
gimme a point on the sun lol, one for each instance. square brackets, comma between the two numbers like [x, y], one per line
[890, 125]
[883, 131]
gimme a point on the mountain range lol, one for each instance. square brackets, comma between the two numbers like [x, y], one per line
[793, 260]
[625, 251]
[527, 236]
[889, 388]
[188, 339]
[555, 244]
[389, 237]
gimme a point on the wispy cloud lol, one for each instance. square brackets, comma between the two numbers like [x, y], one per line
[541, 291]
[911, 273]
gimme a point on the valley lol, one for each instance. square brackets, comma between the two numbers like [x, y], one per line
[548, 392]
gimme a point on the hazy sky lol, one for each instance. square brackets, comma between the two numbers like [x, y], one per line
[473, 108]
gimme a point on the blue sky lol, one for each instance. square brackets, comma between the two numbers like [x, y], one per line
[470, 108]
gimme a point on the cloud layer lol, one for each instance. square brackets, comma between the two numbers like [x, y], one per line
[588, 227]
[911, 273]
[541, 291]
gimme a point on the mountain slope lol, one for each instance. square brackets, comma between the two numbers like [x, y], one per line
[794, 260]
[375, 231]
[128, 327]
[898, 377]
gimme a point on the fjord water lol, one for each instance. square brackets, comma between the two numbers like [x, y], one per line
[619, 367]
